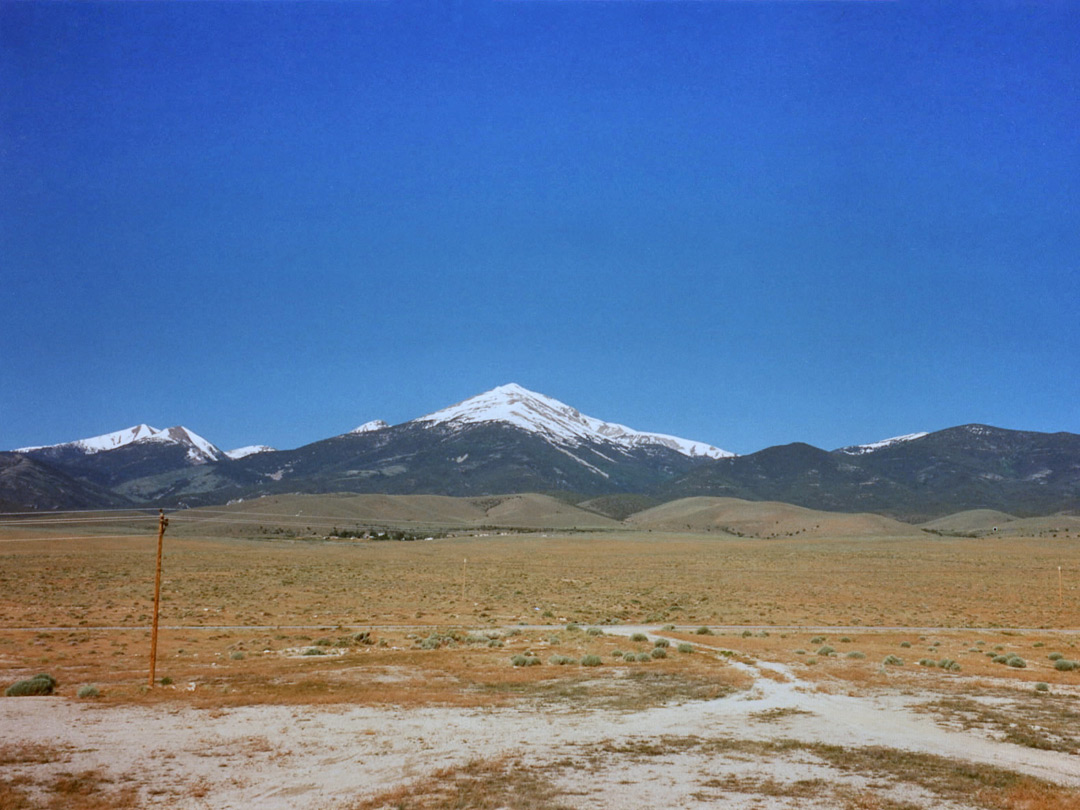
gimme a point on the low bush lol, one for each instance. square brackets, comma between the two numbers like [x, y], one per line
[905, 644]
[643, 657]
[1065, 665]
[703, 631]
[639, 637]
[561, 660]
[88, 691]
[685, 648]
[594, 631]
[521, 660]
[817, 640]
[590, 661]
[314, 651]
[658, 652]
[826, 651]
[662, 642]
[43, 684]
[949, 665]
[855, 654]
[1055, 656]
[893, 661]
[1016, 661]
[1042, 687]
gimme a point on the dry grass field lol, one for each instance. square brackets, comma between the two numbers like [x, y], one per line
[593, 665]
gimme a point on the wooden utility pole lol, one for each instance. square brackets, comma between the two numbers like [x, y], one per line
[162, 523]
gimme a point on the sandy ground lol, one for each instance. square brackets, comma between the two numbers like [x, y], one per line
[285, 757]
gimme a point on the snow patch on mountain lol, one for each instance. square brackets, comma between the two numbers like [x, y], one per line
[558, 423]
[368, 427]
[860, 449]
[199, 451]
[250, 450]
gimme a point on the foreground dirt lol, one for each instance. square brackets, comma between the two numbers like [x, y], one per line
[782, 741]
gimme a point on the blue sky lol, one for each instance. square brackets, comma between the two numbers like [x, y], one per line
[747, 223]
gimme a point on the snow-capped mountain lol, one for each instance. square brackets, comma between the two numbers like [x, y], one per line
[557, 422]
[368, 427]
[250, 450]
[199, 450]
[860, 449]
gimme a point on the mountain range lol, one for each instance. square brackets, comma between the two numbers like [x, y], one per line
[510, 440]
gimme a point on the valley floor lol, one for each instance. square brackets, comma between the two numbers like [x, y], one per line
[778, 740]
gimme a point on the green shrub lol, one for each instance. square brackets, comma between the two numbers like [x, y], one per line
[893, 661]
[1065, 665]
[668, 627]
[236, 655]
[639, 637]
[746, 634]
[630, 656]
[324, 642]
[594, 631]
[817, 640]
[658, 652]
[826, 651]
[905, 644]
[1000, 659]
[927, 662]
[643, 657]
[703, 631]
[88, 691]
[573, 628]
[949, 665]
[1055, 656]
[166, 681]
[521, 660]
[561, 660]
[616, 653]
[800, 652]
[845, 640]
[855, 654]
[42, 684]
[590, 661]
[662, 642]
[685, 648]
[314, 651]
[1016, 661]
[1042, 687]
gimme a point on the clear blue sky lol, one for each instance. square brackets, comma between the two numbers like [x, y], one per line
[747, 223]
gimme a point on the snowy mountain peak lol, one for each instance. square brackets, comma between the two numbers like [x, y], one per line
[199, 451]
[557, 422]
[250, 450]
[860, 449]
[368, 427]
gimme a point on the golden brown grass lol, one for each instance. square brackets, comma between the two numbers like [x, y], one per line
[232, 610]
[85, 790]
[479, 785]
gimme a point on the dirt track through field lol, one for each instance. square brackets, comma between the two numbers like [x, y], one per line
[317, 757]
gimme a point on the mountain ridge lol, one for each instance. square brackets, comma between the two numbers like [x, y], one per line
[510, 440]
